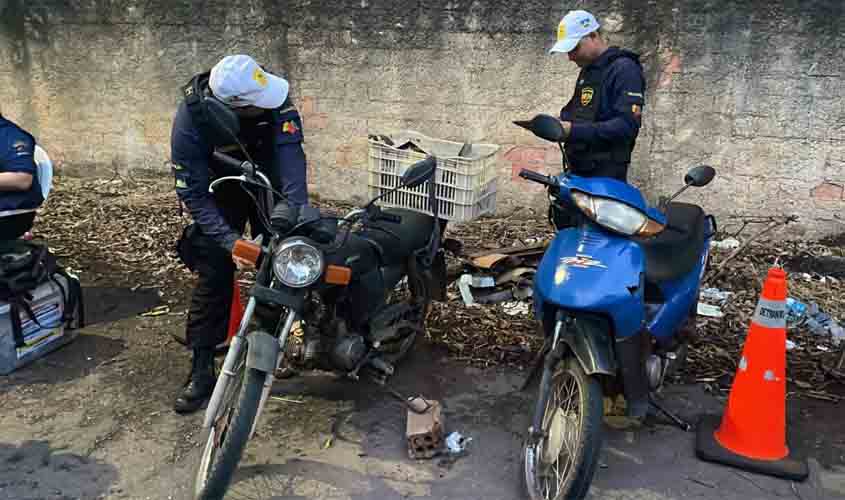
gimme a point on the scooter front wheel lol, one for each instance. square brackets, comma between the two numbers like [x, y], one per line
[560, 464]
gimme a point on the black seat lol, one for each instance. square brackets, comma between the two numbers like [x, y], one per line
[395, 242]
[675, 251]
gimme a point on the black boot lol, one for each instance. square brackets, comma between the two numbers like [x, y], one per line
[200, 385]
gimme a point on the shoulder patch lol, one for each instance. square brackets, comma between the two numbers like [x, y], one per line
[289, 127]
[21, 148]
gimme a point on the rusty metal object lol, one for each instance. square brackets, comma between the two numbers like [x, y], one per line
[424, 431]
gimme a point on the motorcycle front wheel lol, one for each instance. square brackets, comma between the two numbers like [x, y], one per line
[561, 464]
[223, 443]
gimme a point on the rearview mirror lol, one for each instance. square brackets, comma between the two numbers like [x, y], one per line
[419, 172]
[545, 127]
[700, 176]
[222, 118]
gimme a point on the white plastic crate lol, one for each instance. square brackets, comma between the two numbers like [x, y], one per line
[465, 186]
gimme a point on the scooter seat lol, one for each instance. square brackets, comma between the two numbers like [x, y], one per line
[675, 251]
[395, 242]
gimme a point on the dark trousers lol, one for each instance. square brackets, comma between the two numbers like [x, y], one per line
[211, 301]
[13, 227]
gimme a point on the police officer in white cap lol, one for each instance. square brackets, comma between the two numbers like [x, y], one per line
[603, 118]
[271, 130]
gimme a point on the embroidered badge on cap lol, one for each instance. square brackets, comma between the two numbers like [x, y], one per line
[259, 77]
[561, 31]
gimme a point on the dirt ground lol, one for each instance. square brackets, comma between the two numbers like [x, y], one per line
[93, 420]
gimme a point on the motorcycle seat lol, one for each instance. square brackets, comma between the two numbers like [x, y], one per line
[395, 242]
[676, 250]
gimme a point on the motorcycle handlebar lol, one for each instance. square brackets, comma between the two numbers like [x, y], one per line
[227, 160]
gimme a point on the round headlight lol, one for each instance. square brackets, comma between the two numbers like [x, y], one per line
[297, 263]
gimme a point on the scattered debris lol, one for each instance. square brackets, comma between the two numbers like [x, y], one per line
[424, 431]
[726, 244]
[709, 311]
[715, 295]
[122, 231]
[456, 443]
[516, 308]
[156, 311]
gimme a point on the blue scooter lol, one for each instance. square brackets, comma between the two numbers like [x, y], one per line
[616, 293]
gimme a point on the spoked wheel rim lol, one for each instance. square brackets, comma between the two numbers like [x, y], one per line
[219, 427]
[550, 462]
[414, 292]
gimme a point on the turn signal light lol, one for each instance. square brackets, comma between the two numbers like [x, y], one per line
[338, 275]
[247, 251]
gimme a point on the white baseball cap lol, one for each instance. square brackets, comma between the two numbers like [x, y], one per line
[574, 26]
[239, 81]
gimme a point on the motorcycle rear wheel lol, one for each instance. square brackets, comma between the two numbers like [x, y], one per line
[417, 293]
[224, 442]
[561, 464]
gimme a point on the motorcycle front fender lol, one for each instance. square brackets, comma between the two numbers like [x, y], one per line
[590, 342]
[263, 352]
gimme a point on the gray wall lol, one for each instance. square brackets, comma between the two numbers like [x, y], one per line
[752, 87]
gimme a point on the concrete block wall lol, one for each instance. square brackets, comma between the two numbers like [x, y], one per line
[750, 86]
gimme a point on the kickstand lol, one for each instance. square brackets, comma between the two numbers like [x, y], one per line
[674, 418]
[406, 401]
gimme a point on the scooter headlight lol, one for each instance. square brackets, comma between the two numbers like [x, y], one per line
[297, 263]
[616, 216]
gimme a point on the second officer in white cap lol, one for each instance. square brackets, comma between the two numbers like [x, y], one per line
[271, 131]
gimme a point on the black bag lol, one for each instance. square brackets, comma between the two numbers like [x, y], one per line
[24, 266]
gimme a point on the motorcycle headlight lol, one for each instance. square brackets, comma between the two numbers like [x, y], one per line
[616, 216]
[297, 263]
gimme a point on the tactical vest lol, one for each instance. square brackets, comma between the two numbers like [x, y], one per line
[605, 158]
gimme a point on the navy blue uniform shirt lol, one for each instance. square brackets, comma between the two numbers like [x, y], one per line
[620, 105]
[17, 154]
[191, 160]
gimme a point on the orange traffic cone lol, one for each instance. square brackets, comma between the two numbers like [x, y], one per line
[752, 432]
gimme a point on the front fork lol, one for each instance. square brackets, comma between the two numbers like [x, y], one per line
[551, 361]
[227, 373]
[285, 329]
[234, 353]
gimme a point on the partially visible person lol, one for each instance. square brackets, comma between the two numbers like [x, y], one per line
[20, 188]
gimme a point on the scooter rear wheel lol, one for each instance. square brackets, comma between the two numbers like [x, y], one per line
[561, 464]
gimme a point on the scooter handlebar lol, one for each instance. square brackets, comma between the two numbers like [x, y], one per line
[530, 175]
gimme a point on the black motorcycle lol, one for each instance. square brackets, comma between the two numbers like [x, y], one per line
[359, 287]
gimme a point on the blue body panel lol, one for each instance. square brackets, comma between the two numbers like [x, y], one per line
[595, 270]
[589, 269]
